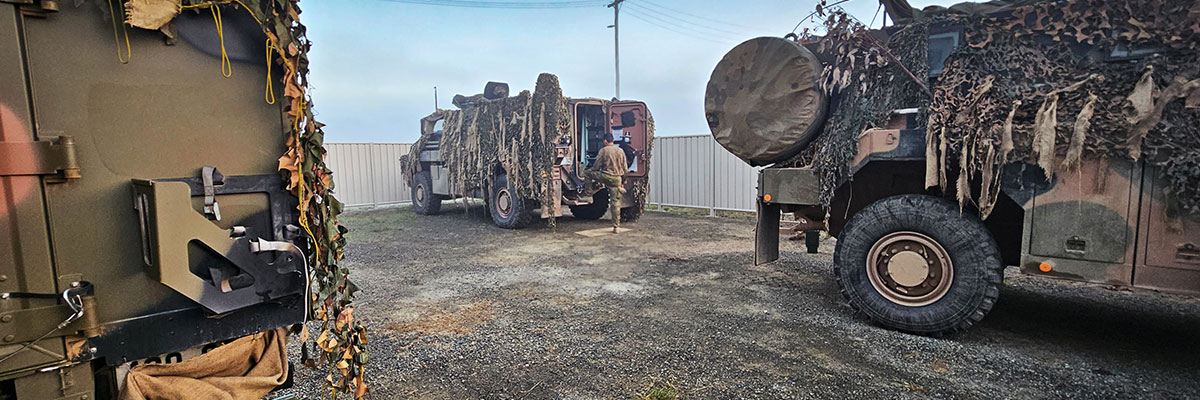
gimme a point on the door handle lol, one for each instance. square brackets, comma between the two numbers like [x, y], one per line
[1188, 253]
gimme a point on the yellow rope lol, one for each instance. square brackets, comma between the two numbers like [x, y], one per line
[270, 91]
[128, 51]
[304, 206]
[271, 45]
[270, 96]
[226, 67]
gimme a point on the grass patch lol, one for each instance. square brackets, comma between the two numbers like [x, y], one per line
[447, 323]
[695, 211]
[659, 390]
[368, 224]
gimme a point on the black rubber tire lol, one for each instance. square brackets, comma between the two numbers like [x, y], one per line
[522, 209]
[433, 202]
[592, 211]
[978, 269]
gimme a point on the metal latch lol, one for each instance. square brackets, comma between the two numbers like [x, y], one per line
[55, 158]
[211, 178]
[37, 8]
[1076, 245]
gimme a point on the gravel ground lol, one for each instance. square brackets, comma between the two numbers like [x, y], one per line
[461, 309]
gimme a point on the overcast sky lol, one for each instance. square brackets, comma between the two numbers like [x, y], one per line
[374, 63]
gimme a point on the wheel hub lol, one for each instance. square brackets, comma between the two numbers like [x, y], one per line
[420, 196]
[909, 269]
[504, 203]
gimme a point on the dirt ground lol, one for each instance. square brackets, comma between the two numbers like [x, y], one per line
[462, 309]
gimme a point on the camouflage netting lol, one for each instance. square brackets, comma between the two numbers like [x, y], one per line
[342, 340]
[1035, 87]
[1028, 88]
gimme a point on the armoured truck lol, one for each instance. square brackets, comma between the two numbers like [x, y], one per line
[143, 218]
[518, 187]
[910, 253]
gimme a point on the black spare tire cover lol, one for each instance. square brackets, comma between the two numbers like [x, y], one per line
[764, 102]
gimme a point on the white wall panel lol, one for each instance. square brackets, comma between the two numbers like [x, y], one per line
[367, 173]
[690, 171]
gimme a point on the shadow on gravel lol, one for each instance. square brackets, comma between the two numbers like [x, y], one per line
[1111, 327]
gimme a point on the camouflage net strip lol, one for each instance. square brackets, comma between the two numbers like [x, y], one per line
[515, 133]
[342, 340]
[1035, 87]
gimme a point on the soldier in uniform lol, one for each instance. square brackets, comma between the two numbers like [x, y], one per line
[608, 169]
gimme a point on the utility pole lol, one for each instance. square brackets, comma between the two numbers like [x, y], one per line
[616, 6]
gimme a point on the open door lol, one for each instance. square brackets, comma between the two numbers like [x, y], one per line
[627, 122]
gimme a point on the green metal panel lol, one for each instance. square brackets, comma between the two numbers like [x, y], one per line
[25, 263]
[165, 114]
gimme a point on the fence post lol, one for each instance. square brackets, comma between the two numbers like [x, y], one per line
[662, 188]
[712, 182]
[371, 174]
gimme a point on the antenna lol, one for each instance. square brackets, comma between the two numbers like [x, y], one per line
[435, 103]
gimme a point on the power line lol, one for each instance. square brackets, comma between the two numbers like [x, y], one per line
[668, 9]
[682, 22]
[683, 32]
[691, 29]
[507, 4]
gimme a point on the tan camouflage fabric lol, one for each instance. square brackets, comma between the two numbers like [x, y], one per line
[246, 369]
[764, 102]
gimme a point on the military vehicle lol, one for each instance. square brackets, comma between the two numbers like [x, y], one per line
[142, 212]
[916, 253]
[524, 176]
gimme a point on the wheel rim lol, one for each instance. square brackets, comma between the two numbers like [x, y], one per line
[504, 203]
[419, 197]
[909, 269]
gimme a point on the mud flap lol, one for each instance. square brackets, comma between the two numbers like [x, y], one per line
[766, 233]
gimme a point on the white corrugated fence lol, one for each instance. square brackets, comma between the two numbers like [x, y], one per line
[368, 174]
[686, 171]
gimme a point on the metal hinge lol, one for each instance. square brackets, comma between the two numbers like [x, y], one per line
[44, 157]
[37, 8]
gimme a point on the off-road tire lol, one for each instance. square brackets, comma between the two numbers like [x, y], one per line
[425, 203]
[975, 259]
[520, 214]
[592, 211]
